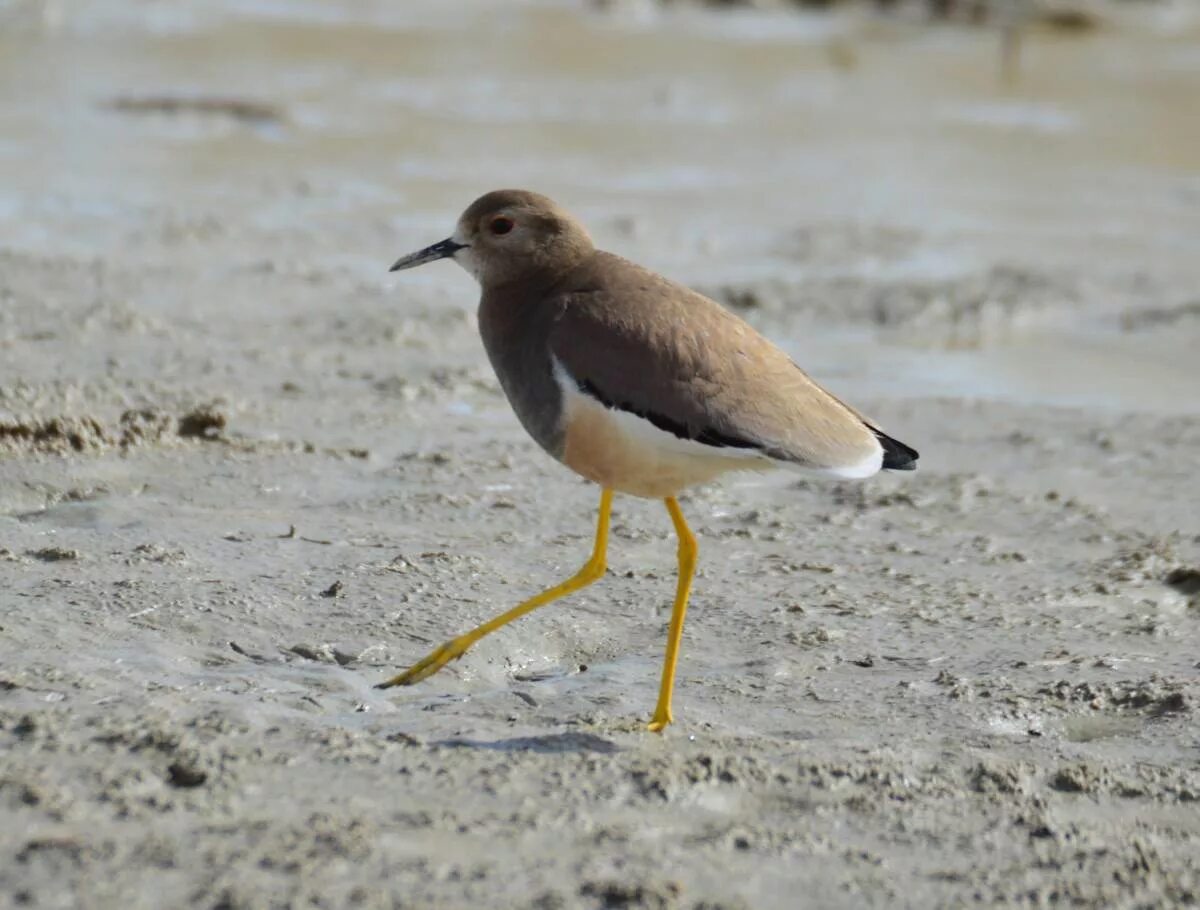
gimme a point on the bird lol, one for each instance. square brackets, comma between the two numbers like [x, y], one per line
[638, 384]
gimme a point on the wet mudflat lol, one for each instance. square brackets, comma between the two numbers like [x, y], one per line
[244, 475]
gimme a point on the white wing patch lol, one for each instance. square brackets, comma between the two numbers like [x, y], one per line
[643, 433]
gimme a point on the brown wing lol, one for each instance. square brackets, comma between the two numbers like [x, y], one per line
[641, 343]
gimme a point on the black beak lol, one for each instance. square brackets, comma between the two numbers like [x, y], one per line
[447, 247]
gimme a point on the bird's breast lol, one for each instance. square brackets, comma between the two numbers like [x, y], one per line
[517, 342]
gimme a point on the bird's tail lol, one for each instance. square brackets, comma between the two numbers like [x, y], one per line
[896, 455]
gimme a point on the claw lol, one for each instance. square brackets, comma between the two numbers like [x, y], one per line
[426, 666]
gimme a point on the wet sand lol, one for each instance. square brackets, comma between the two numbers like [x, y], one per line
[244, 475]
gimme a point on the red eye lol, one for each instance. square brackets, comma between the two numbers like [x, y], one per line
[501, 225]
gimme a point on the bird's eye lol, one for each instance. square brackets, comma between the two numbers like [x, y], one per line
[501, 225]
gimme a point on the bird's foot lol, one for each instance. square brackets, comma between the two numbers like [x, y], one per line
[662, 717]
[428, 665]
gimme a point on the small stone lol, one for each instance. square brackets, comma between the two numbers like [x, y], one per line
[205, 422]
[321, 653]
[186, 774]
[56, 554]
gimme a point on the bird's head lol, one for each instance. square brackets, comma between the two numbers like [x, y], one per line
[508, 235]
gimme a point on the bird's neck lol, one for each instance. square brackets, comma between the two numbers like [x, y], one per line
[537, 279]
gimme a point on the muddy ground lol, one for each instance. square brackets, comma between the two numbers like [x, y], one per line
[244, 475]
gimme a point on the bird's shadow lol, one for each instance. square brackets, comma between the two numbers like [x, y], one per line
[550, 743]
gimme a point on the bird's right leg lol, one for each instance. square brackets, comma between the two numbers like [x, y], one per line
[687, 570]
[592, 571]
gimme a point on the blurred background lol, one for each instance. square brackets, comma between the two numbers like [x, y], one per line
[1014, 184]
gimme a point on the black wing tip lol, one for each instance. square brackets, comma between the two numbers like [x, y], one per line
[896, 455]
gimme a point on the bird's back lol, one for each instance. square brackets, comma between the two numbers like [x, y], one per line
[645, 344]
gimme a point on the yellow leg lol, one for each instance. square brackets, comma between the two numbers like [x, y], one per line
[592, 570]
[687, 568]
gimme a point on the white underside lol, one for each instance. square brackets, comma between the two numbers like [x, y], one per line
[869, 466]
[662, 445]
